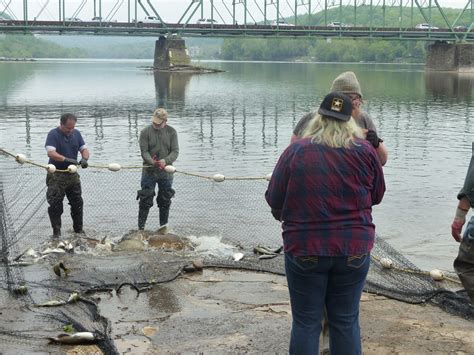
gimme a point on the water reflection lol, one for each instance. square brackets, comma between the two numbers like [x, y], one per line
[13, 75]
[170, 89]
[457, 86]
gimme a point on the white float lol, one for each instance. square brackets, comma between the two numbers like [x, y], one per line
[386, 263]
[20, 158]
[268, 177]
[50, 168]
[170, 169]
[218, 178]
[114, 167]
[437, 275]
[72, 169]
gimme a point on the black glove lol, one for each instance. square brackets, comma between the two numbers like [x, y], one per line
[71, 161]
[83, 163]
[276, 214]
[373, 138]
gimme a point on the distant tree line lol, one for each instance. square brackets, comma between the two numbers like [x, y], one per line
[338, 50]
[344, 50]
[28, 46]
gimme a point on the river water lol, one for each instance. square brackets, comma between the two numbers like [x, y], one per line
[239, 121]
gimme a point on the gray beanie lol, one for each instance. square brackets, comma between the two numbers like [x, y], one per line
[346, 83]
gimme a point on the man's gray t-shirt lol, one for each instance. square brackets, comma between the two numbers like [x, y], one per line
[364, 121]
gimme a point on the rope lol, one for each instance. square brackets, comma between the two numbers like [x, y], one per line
[137, 167]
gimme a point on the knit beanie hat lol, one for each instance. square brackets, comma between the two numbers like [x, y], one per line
[346, 83]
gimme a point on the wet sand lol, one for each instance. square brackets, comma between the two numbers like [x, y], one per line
[229, 311]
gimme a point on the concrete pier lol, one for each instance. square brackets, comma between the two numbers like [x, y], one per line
[170, 52]
[450, 57]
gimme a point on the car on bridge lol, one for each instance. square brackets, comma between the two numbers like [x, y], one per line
[337, 24]
[73, 19]
[425, 26]
[206, 21]
[282, 23]
[150, 19]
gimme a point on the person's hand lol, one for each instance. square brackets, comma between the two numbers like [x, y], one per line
[456, 228]
[159, 163]
[71, 161]
[83, 163]
[373, 138]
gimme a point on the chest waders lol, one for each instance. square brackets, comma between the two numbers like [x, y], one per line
[145, 196]
[60, 185]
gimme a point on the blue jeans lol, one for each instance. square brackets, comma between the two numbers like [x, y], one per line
[315, 282]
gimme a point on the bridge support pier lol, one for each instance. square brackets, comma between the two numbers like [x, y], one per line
[450, 57]
[170, 52]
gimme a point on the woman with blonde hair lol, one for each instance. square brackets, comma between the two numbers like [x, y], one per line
[348, 84]
[323, 189]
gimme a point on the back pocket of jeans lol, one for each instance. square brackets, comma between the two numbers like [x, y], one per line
[306, 262]
[357, 261]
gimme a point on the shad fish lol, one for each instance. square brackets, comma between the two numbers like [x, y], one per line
[74, 339]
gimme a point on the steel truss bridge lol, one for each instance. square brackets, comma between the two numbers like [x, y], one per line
[234, 18]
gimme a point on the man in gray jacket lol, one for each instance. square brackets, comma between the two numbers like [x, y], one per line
[159, 148]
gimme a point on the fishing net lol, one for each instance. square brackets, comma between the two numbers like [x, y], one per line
[232, 211]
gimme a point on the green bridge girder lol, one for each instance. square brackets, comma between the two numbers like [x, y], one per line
[250, 18]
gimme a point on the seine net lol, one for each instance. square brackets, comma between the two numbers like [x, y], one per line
[234, 211]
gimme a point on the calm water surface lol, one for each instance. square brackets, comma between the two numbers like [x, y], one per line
[238, 122]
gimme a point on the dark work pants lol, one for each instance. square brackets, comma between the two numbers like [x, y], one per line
[163, 198]
[60, 185]
[464, 262]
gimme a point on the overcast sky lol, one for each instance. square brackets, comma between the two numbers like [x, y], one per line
[172, 10]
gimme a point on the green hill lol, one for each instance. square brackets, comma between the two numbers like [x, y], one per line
[28, 46]
[344, 50]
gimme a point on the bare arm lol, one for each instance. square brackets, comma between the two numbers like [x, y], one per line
[55, 155]
[85, 153]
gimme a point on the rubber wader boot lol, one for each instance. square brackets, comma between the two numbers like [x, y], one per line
[164, 214]
[142, 216]
[55, 223]
[77, 222]
[56, 231]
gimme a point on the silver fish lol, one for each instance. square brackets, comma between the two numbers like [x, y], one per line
[52, 303]
[74, 339]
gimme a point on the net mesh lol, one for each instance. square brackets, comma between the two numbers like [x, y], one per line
[233, 210]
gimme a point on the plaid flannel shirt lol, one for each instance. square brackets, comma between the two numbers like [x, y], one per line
[326, 196]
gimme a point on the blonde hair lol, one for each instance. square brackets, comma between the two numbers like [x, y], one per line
[331, 132]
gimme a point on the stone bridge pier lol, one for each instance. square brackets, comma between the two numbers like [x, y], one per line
[450, 57]
[170, 52]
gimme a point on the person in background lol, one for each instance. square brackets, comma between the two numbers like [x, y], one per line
[322, 189]
[464, 262]
[159, 147]
[62, 146]
[348, 84]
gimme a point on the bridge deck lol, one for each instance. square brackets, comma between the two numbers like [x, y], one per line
[224, 30]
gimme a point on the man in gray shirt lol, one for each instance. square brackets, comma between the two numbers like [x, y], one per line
[159, 148]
